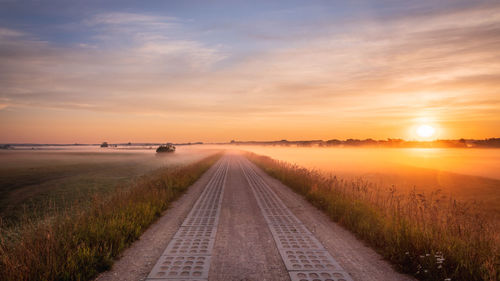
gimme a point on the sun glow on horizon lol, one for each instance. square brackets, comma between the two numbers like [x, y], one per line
[425, 131]
[121, 72]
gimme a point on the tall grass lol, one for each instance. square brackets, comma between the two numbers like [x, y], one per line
[79, 242]
[427, 235]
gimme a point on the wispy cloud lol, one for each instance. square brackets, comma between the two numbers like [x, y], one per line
[6, 33]
[102, 76]
[377, 68]
[135, 19]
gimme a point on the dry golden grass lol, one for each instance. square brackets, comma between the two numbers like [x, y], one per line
[41, 182]
[79, 242]
[427, 235]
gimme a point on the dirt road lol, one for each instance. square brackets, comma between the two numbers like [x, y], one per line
[237, 223]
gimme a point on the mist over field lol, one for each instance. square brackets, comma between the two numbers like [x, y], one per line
[137, 137]
[362, 161]
[466, 174]
[34, 181]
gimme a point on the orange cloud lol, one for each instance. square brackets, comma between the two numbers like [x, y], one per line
[368, 78]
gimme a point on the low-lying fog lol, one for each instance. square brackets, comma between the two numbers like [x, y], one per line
[469, 174]
[477, 162]
[463, 173]
[32, 179]
[25, 157]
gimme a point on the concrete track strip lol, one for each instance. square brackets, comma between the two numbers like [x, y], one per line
[304, 256]
[188, 255]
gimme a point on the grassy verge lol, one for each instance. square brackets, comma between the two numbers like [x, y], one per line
[40, 183]
[426, 235]
[79, 242]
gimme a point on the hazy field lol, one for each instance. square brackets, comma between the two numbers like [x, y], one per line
[37, 181]
[423, 232]
[77, 241]
[28, 179]
[370, 195]
[466, 174]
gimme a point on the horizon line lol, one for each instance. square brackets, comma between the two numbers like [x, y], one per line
[247, 141]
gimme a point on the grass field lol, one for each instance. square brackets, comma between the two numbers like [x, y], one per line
[80, 240]
[34, 183]
[428, 235]
[465, 174]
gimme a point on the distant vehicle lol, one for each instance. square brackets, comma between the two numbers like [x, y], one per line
[5, 146]
[166, 148]
[104, 144]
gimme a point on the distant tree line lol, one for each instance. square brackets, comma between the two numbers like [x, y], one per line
[397, 143]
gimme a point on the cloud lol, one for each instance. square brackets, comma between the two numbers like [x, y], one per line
[6, 33]
[108, 76]
[130, 18]
[369, 69]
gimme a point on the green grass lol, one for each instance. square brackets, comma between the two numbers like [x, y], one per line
[427, 235]
[79, 241]
[38, 183]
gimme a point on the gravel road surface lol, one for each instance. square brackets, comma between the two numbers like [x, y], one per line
[237, 223]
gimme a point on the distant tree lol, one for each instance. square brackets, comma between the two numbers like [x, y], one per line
[353, 142]
[491, 142]
[333, 142]
[166, 148]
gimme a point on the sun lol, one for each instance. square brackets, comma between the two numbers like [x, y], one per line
[425, 131]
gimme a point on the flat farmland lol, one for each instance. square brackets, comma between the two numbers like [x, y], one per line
[37, 182]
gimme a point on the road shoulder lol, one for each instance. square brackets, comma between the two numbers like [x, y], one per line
[135, 263]
[360, 261]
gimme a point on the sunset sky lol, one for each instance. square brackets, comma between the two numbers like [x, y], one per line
[119, 71]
